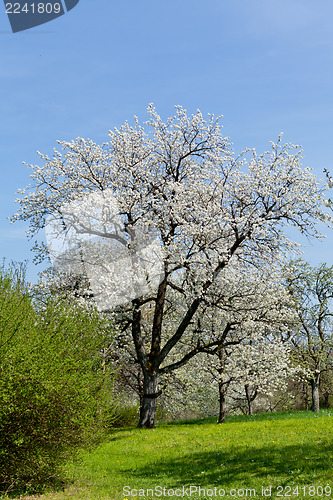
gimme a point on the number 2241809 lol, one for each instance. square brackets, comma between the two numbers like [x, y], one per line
[312, 491]
[33, 8]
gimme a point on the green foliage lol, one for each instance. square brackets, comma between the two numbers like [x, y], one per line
[36, 425]
[54, 389]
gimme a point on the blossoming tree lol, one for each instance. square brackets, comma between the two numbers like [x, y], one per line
[178, 186]
[311, 289]
[245, 325]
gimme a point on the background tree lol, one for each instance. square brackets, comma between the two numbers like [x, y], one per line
[312, 291]
[255, 316]
[206, 206]
[259, 367]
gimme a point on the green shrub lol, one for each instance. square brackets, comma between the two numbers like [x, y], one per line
[54, 389]
[36, 426]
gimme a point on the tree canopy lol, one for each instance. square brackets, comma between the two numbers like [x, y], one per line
[177, 188]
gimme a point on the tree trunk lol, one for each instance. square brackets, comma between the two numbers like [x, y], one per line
[223, 386]
[149, 401]
[249, 399]
[222, 396]
[315, 393]
[305, 396]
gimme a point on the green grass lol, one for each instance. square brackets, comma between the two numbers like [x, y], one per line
[272, 449]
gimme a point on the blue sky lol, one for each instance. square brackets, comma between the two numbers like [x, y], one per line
[265, 65]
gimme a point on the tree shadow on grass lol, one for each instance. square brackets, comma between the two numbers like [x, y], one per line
[257, 417]
[303, 463]
[191, 421]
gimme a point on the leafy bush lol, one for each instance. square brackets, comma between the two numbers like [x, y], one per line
[35, 426]
[54, 389]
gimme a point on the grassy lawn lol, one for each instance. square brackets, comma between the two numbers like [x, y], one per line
[246, 453]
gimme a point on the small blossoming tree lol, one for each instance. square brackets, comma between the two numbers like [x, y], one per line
[311, 289]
